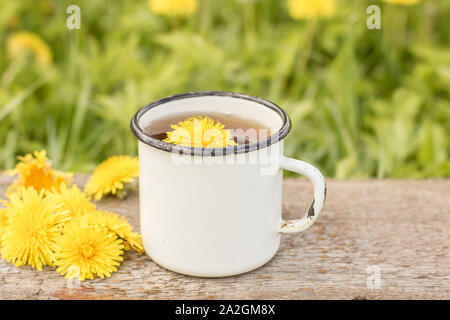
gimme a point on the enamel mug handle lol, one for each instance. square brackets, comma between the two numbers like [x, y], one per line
[320, 192]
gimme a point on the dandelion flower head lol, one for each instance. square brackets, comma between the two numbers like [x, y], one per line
[85, 252]
[118, 225]
[200, 132]
[111, 175]
[33, 225]
[71, 200]
[3, 223]
[35, 171]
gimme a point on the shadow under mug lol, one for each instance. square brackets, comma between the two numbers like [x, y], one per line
[217, 212]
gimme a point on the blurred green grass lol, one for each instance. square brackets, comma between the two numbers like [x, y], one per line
[363, 103]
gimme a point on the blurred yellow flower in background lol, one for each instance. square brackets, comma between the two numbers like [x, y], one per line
[36, 172]
[200, 132]
[403, 2]
[21, 43]
[173, 8]
[118, 225]
[311, 9]
[71, 200]
[84, 252]
[111, 175]
[33, 225]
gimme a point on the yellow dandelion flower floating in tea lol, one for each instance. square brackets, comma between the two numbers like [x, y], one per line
[71, 200]
[36, 172]
[118, 225]
[111, 175]
[403, 2]
[3, 223]
[311, 9]
[85, 252]
[24, 42]
[200, 132]
[173, 8]
[33, 226]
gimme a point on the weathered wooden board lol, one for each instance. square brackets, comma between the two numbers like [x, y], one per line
[400, 228]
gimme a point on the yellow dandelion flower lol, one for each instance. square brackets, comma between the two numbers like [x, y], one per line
[33, 226]
[311, 9]
[173, 8]
[118, 225]
[71, 200]
[23, 42]
[3, 223]
[85, 252]
[403, 2]
[200, 132]
[111, 175]
[36, 172]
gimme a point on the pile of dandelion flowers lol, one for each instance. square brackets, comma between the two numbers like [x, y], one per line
[46, 221]
[201, 132]
[35, 171]
[111, 176]
[21, 43]
[71, 200]
[33, 226]
[84, 251]
[118, 225]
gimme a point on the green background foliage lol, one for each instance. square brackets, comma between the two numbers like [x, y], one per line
[363, 103]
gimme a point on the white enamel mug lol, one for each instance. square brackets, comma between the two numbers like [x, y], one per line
[217, 212]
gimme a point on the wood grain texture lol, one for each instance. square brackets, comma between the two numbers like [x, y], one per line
[401, 227]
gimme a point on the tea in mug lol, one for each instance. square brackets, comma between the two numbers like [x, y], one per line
[244, 131]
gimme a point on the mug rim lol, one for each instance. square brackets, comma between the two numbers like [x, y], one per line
[243, 148]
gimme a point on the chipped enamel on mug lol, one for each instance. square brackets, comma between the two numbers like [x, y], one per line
[217, 212]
